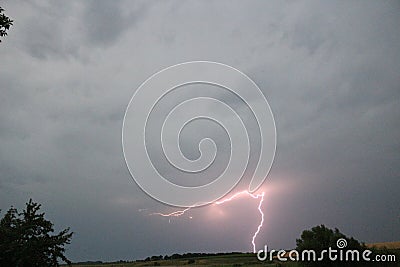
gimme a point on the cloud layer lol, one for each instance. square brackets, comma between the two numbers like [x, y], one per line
[328, 69]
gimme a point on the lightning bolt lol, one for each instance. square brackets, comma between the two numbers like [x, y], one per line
[172, 214]
[259, 196]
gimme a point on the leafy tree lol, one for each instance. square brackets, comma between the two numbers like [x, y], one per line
[5, 23]
[26, 239]
[321, 238]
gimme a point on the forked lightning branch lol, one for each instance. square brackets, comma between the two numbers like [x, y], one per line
[260, 198]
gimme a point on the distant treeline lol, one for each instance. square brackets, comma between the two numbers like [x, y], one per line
[99, 262]
[166, 257]
[188, 255]
[89, 262]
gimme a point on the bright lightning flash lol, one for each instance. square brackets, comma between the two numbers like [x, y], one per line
[259, 196]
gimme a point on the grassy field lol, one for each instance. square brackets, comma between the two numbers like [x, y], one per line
[229, 260]
[388, 245]
[234, 260]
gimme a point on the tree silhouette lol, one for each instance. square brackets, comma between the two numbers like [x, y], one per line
[26, 240]
[5, 23]
[320, 238]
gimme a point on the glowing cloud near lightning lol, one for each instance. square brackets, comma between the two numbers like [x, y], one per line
[259, 196]
[145, 136]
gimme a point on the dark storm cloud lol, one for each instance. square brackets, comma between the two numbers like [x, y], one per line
[328, 69]
[66, 29]
[105, 21]
[48, 29]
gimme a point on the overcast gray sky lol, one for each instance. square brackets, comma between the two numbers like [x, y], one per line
[329, 69]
